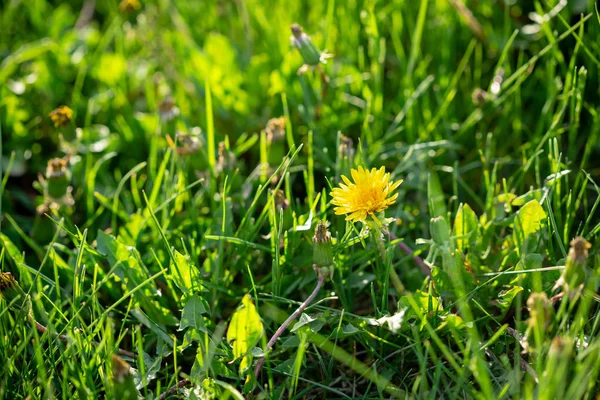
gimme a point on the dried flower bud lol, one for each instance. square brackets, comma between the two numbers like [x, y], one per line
[560, 348]
[540, 310]
[124, 384]
[275, 129]
[61, 116]
[226, 159]
[576, 271]
[309, 52]
[479, 96]
[281, 202]
[129, 5]
[346, 147]
[11, 291]
[187, 144]
[579, 252]
[58, 177]
[167, 109]
[7, 282]
[57, 168]
[322, 251]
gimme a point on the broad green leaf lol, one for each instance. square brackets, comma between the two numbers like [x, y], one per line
[181, 272]
[528, 222]
[192, 314]
[244, 331]
[530, 218]
[465, 224]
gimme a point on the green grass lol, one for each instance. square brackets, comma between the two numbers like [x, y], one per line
[189, 239]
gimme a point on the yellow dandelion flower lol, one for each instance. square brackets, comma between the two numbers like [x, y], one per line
[370, 193]
[61, 116]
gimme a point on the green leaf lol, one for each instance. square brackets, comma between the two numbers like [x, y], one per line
[465, 224]
[181, 272]
[437, 200]
[314, 324]
[528, 222]
[530, 218]
[506, 297]
[192, 314]
[454, 321]
[132, 272]
[244, 331]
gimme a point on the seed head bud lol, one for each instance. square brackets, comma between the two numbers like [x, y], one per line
[560, 348]
[576, 271]
[346, 146]
[322, 251]
[187, 144]
[226, 158]
[281, 202]
[58, 177]
[167, 109]
[11, 291]
[540, 310]
[61, 116]
[275, 129]
[124, 385]
[129, 5]
[309, 52]
[479, 96]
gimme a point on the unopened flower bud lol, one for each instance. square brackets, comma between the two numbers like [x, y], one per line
[309, 52]
[61, 116]
[322, 251]
[440, 231]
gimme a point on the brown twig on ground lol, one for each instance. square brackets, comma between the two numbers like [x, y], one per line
[65, 338]
[172, 390]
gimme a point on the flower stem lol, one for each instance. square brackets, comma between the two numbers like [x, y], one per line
[175, 388]
[288, 321]
[416, 259]
[377, 234]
